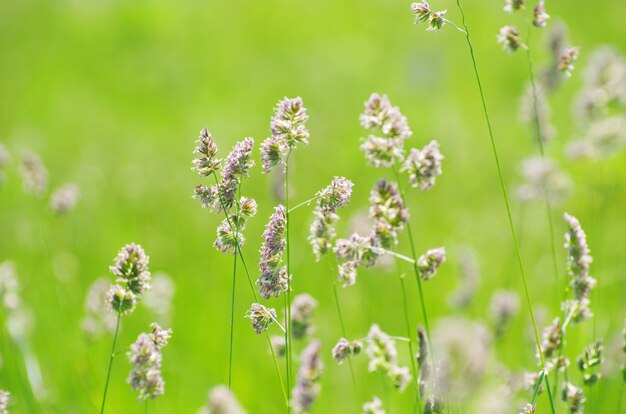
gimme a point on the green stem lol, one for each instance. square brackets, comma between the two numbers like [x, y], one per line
[247, 272]
[232, 301]
[540, 140]
[232, 323]
[309, 201]
[542, 374]
[341, 324]
[280, 377]
[505, 196]
[106, 384]
[411, 353]
[288, 343]
[415, 268]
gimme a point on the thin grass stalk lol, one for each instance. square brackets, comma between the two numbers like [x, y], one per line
[540, 138]
[288, 344]
[232, 301]
[254, 294]
[106, 384]
[415, 269]
[417, 403]
[280, 377]
[505, 196]
[341, 323]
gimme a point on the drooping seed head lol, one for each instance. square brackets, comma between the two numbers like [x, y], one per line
[248, 206]
[208, 196]
[514, 5]
[261, 317]
[423, 166]
[510, 39]
[121, 300]
[566, 62]
[540, 17]
[429, 262]
[228, 236]
[436, 21]
[421, 11]
[336, 195]
[272, 152]
[342, 351]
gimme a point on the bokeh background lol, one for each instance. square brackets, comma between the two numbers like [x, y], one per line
[111, 95]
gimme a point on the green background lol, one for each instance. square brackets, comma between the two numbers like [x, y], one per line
[112, 95]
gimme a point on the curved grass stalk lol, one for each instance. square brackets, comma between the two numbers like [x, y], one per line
[341, 323]
[540, 139]
[411, 353]
[106, 384]
[505, 196]
[232, 301]
[288, 345]
[415, 269]
[254, 294]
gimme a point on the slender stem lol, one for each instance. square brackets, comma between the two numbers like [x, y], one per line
[288, 296]
[254, 294]
[415, 268]
[380, 250]
[341, 324]
[280, 377]
[542, 374]
[232, 301]
[550, 396]
[503, 188]
[106, 384]
[309, 201]
[411, 353]
[540, 140]
[232, 319]
[455, 26]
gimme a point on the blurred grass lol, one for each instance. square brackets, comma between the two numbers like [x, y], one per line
[112, 94]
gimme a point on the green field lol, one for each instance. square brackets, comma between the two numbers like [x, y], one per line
[111, 95]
